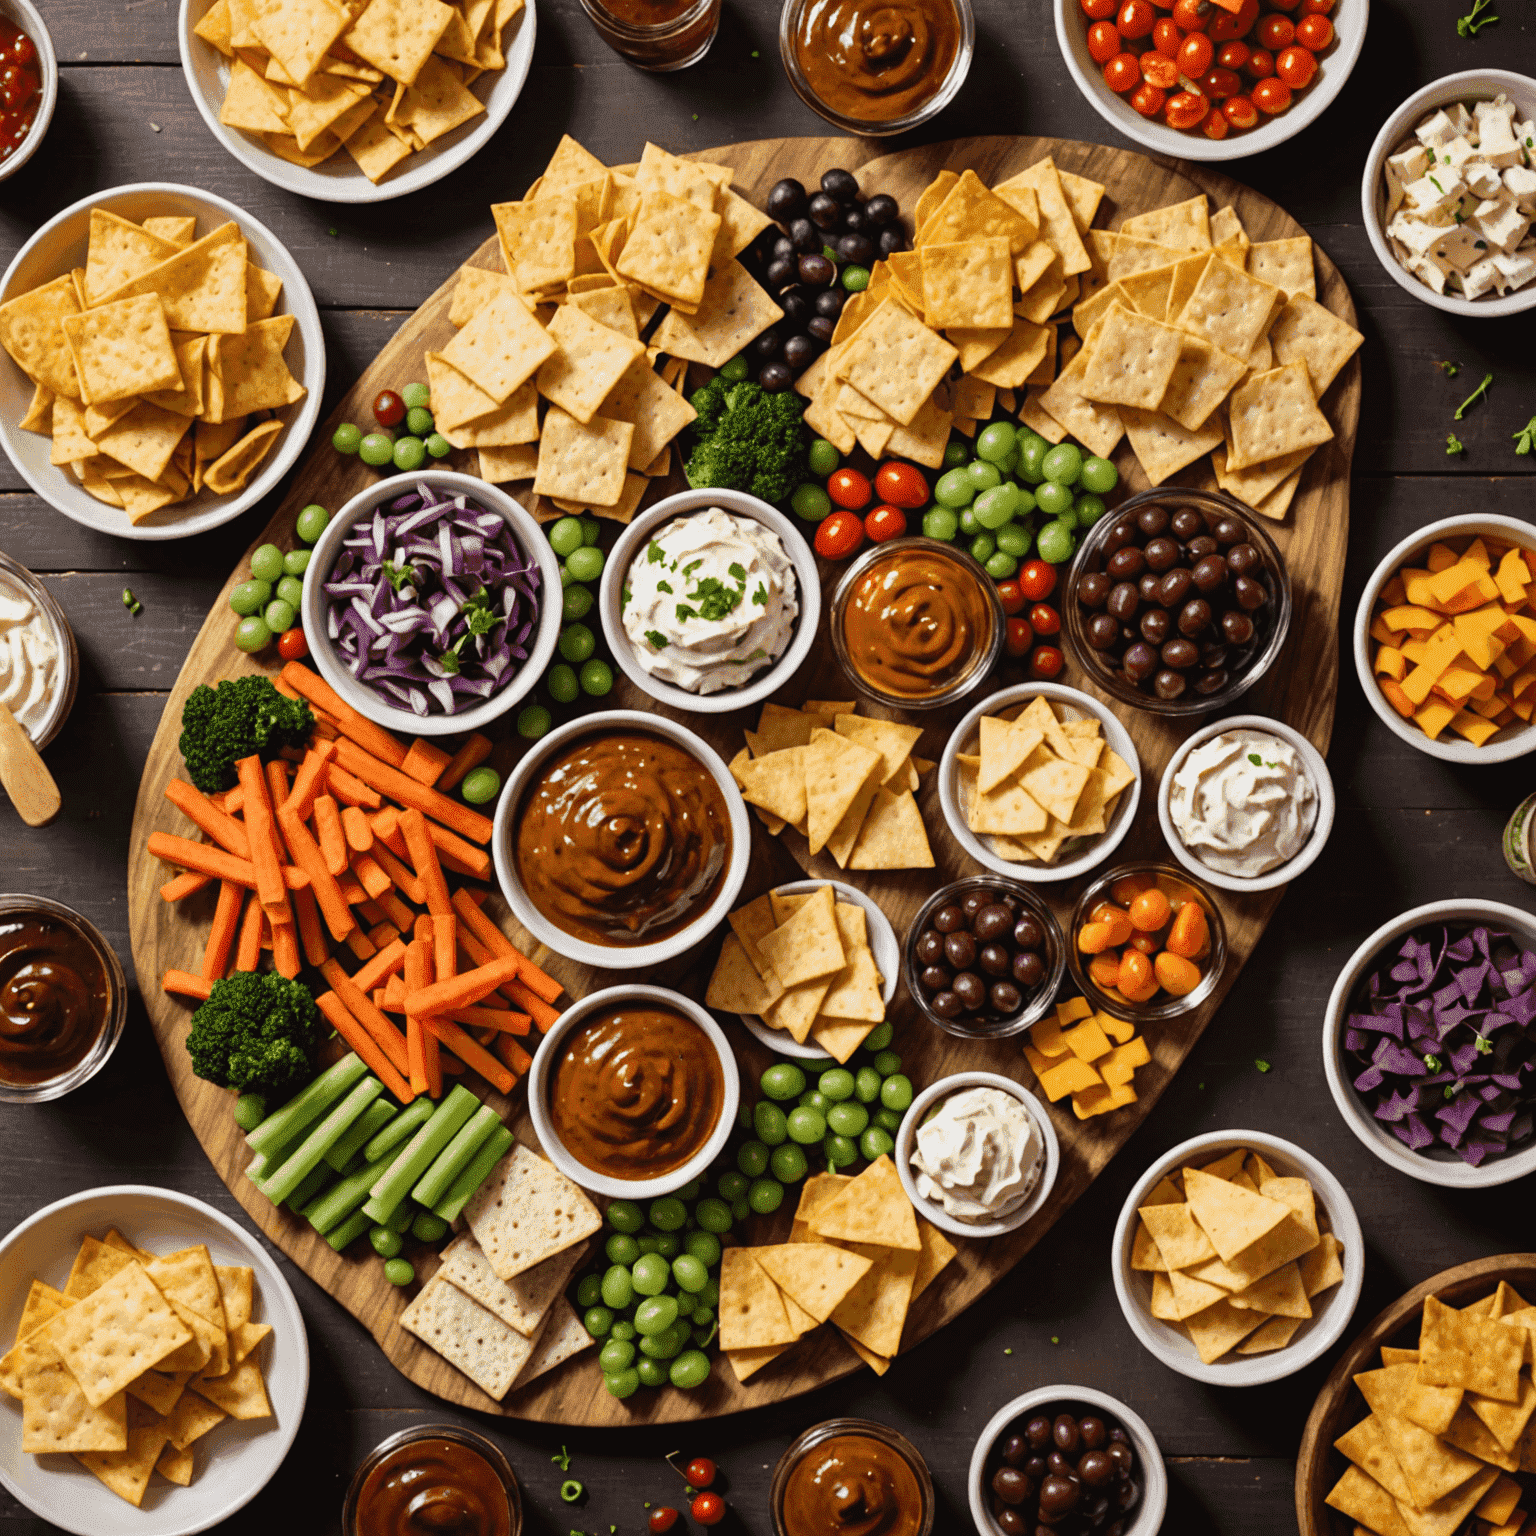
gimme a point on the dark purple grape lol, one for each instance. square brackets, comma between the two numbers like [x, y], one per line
[800, 352]
[893, 238]
[1243, 560]
[1168, 684]
[1250, 595]
[1187, 524]
[929, 948]
[935, 979]
[1126, 564]
[1015, 1447]
[992, 921]
[825, 211]
[821, 327]
[856, 248]
[948, 918]
[1027, 933]
[796, 306]
[840, 184]
[766, 345]
[1096, 1469]
[971, 990]
[1194, 617]
[1038, 1433]
[882, 208]
[945, 1004]
[1156, 626]
[1093, 589]
[1123, 600]
[995, 960]
[1237, 627]
[1064, 1434]
[1210, 572]
[1174, 587]
[1180, 654]
[1006, 998]
[829, 301]
[776, 377]
[1227, 530]
[782, 249]
[816, 271]
[805, 237]
[1103, 631]
[785, 200]
[1139, 661]
[782, 272]
[1162, 554]
[1093, 1432]
[1028, 969]
[960, 950]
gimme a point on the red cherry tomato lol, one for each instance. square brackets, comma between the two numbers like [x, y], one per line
[1185, 111]
[1135, 19]
[1011, 595]
[291, 644]
[1148, 99]
[1275, 32]
[1285, 5]
[701, 1471]
[882, 523]
[1240, 112]
[1192, 15]
[1037, 580]
[1316, 7]
[1103, 42]
[903, 485]
[663, 1519]
[1046, 661]
[1314, 31]
[1297, 66]
[1196, 55]
[1233, 55]
[848, 488]
[708, 1509]
[1123, 73]
[1213, 125]
[1019, 637]
[1166, 36]
[839, 535]
[1272, 96]
[1044, 620]
[1159, 70]
[1097, 10]
[1226, 26]
[388, 408]
[1219, 84]
[1260, 65]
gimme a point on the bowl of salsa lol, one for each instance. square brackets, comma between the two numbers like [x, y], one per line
[29, 83]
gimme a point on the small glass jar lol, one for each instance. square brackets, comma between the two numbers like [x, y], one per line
[819, 1434]
[462, 1437]
[68, 680]
[680, 39]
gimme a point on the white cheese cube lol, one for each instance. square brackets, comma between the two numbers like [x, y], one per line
[1480, 277]
[1501, 223]
[1517, 270]
[1429, 272]
[1459, 247]
[1410, 163]
[1458, 152]
[1520, 183]
[1394, 192]
[1436, 130]
[1437, 191]
[1482, 179]
[1414, 233]
[1461, 120]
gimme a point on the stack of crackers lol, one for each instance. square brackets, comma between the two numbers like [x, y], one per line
[858, 1256]
[1236, 1254]
[845, 782]
[138, 1357]
[1091, 1056]
[1450, 1421]
[157, 367]
[802, 963]
[1042, 782]
[384, 77]
[548, 377]
[495, 1308]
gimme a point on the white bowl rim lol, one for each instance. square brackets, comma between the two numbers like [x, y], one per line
[781, 1040]
[1328, 1322]
[1317, 770]
[1493, 751]
[538, 1084]
[303, 182]
[363, 699]
[946, 1088]
[1116, 737]
[1464, 85]
[640, 956]
[48, 78]
[300, 303]
[1449, 1173]
[766, 683]
[1154, 1491]
[275, 1293]
[1335, 70]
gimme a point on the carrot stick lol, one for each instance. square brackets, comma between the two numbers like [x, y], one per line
[451, 1063]
[228, 800]
[285, 950]
[355, 824]
[351, 890]
[424, 856]
[501, 1020]
[417, 962]
[401, 787]
[204, 858]
[394, 995]
[248, 952]
[396, 911]
[389, 961]
[365, 1045]
[462, 990]
[391, 1041]
[306, 782]
[266, 929]
[307, 915]
[424, 762]
[386, 830]
[277, 781]
[469, 1051]
[470, 755]
[294, 877]
[532, 1004]
[513, 1054]
[270, 886]
[338, 916]
[217, 824]
[382, 935]
[328, 833]
[422, 929]
[498, 943]
[370, 875]
[413, 888]
[368, 912]
[221, 933]
[180, 886]
[476, 860]
[445, 946]
[184, 984]
[360, 944]
[350, 790]
[356, 727]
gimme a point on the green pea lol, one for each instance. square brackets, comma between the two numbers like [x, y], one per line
[575, 602]
[667, 1343]
[811, 502]
[623, 1383]
[409, 453]
[667, 1214]
[560, 681]
[848, 1119]
[1013, 539]
[1054, 542]
[806, 1125]
[956, 454]
[1063, 464]
[896, 1092]
[769, 1123]
[621, 1248]
[534, 722]
[731, 1185]
[839, 1150]
[783, 1080]
[346, 437]
[816, 1100]
[703, 1246]
[752, 1158]
[624, 1329]
[650, 1274]
[788, 1164]
[889, 1120]
[995, 442]
[385, 1243]
[291, 590]
[1053, 499]
[625, 1216]
[1099, 475]
[252, 634]
[616, 1355]
[689, 1272]
[655, 1315]
[954, 489]
[740, 1210]
[822, 457]
[250, 1111]
[296, 562]
[577, 643]
[438, 446]
[713, 1215]
[266, 562]
[399, 1271]
[618, 1286]
[940, 523]
[586, 563]
[596, 678]
[983, 547]
[875, 1143]
[250, 597]
[668, 1245]
[765, 1196]
[1001, 567]
[879, 1037]
[710, 1295]
[652, 1373]
[480, 786]
[418, 421]
[565, 536]
[982, 475]
[1088, 509]
[836, 1084]
[280, 616]
[589, 1292]
[855, 279]
[735, 370]
[691, 1368]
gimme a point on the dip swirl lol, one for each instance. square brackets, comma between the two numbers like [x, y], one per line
[433, 1488]
[29, 656]
[54, 998]
[876, 62]
[979, 1155]
[852, 1485]
[623, 839]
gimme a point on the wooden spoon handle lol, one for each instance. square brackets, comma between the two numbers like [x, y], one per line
[25, 775]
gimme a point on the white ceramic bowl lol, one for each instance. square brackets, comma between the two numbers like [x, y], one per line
[60, 245]
[906, 1142]
[552, 1046]
[882, 940]
[964, 739]
[338, 180]
[603, 956]
[239, 1458]
[1333, 69]
[1154, 1476]
[1331, 1309]
[25, 15]
[1469, 85]
[1317, 772]
[1511, 742]
[764, 684]
[530, 539]
[1444, 1167]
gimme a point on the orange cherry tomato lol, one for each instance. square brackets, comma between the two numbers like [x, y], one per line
[839, 535]
[1297, 67]
[1233, 55]
[1148, 99]
[1226, 26]
[1097, 10]
[1135, 19]
[1138, 981]
[1214, 126]
[1219, 84]
[1196, 54]
[1147, 943]
[1093, 938]
[1314, 31]
[848, 488]
[1272, 96]
[1127, 888]
[1123, 73]
[1185, 111]
[1166, 36]
[1260, 65]
[291, 644]
[1190, 933]
[1240, 111]
[1275, 32]
[1159, 70]
[1103, 42]
[1285, 5]
[1038, 579]
[885, 522]
[1150, 910]
[1193, 15]
[1121, 929]
[1100, 913]
[1175, 974]
[1104, 971]
[902, 485]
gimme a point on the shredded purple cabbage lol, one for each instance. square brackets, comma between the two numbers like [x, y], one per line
[1442, 1042]
[431, 603]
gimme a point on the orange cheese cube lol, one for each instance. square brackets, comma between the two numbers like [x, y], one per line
[1477, 553]
[1117, 1029]
[1520, 682]
[1433, 716]
[1069, 1075]
[1121, 1063]
[1087, 1041]
[1414, 650]
[1396, 697]
[1457, 683]
[1415, 587]
[1526, 626]
[1074, 1008]
[1380, 633]
[1391, 661]
[1406, 616]
[1441, 557]
[1394, 590]
[1447, 585]
[1100, 1101]
[1524, 708]
[1486, 687]
[1475, 632]
[1046, 1036]
[1476, 729]
[1487, 708]
[1512, 577]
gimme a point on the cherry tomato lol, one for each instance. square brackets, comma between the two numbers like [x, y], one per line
[848, 488]
[1196, 55]
[1186, 110]
[1011, 595]
[1018, 637]
[1166, 37]
[1103, 42]
[885, 522]
[1260, 65]
[1314, 31]
[1246, 17]
[663, 1519]
[388, 408]
[708, 1509]
[1037, 580]
[24, 50]
[1046, 661]
[1272, 96]
[1285, 5]
[1275, 32]
[1233, 55]
[839, 535]
[701, 1472]
[291, 644]
[1316, 7]
[1226, 26]
[903, 485]
[1044, 620]
[1297, 66]
[1122, 73]
[1240, 111]
[1193, 15]
[1148, 100]
[1157, 69]
[1135, 19]
[1219, 84]
[1097, 10]
[1213, 125]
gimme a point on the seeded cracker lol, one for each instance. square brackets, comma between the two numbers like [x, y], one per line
[526, 1211]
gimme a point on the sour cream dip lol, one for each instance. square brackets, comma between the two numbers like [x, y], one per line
[31, 666]
[979, 1155]
[1243, 803]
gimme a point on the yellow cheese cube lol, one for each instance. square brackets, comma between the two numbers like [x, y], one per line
[1380, 633]
[1504, 666]
[1524, 708]
[1416, 587]
[1117, 1029]
[1526, 625]
[1087, 1041]
[1069, 1075]
[1046, 1036]
[1073, 1008]
[1407, 616]
[1473, 727]
[1441, 557]
[1100, 1101]
[1121, 1063]
[1445, 586]
[1521, 651]
[1521, 681]
[1487, 708]
[1512, 577]
[1413, 650]
[1391, 661]
[1486, 588]
[1478, 554]
[1511, 1527]
[1457, 682]
[1433, 716]
[1475, 634]
[1486, 686]
[1037, 1062]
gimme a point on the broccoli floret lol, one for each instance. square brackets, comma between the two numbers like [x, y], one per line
[257, 1033]
[242, 716]
[746, 439]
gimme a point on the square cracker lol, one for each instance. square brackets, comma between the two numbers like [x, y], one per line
[524, 1301]
[202, 287]
[583, 462]
[1057, 225]
[127, 1472]
[116, 1333]
[897, 362]
[1164, 446]
[1132, 361]
[1273, 414]
[502, 346]
[1285, 263]
[487, 1350]
[589, 362]
[398, 36]
[971, 211]
[1461, 1350]
[1098, 427]
[1306, 332]
[657, 413]
[1228, 308]
[56, 1417]
[1185, 226]
[808, 946]
[1202, 378]
[968, 283]
[732, 311]
[122, 349]
[669, 248]
[526, 1211]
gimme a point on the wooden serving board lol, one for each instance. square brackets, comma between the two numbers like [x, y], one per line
[1300, 689]
[1339, 1405]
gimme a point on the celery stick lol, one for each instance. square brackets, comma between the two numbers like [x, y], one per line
[313, 1148]
[405, 1214]
[455, 1157]
[400, 1129]
[479, 1170]
[349, 1231]
[318, 1177]
[363, 1130]
[342, 1198]
[395, 1184]
[308, 1105]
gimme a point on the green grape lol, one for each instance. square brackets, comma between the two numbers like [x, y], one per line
[956, 454]
[480, 786]
[875, 1143]
[855, 279]
[1054, 542]
[377, 449]
[983, 476]
[806, 1125]
[1088, 509]
[886, 1062]
[822, 457]
[618, 1286]
[596, 678]
[896, 1092]
[816, 1100]
[534, 722]
[668, 1245]
[684, 1304]
[839, 1150]
[996, 441]
[769, 1123]
[811, 502]
[783, 1080]
[577, 643]
[267, 562]
[250, 597]
[291, 589]
[703, 1246]
[1013, 539]
[311, 521]
[866, 1085]
[586, 563]
[955, 489]
[689, 1272]
[625, 1216]
[598, 1321]
[713, 1215]
[652, 1373]
[616, 1355]
[1099, 475]
[1032, 460]
[399, 1271]
[752, 1156]
[565, 536]
[836, 1084]
[623, 1329]
[995, 507]
[735, 370]
[889, 1120]
[940, 523]
[664, 1345]
[1063, 464]
[385, 1243]
[575, 602]
[418, 421]
[691, 1191]
[650, 1274]
[732, 1185]
[623, 1383]
[848, 1119]
[969, 527]
[691, 1368]
[296, 562]
[280, 616]
[710, 1295]
[409, 453]
[879, 1037]
[252, 634]
[667, 1214]
[655, 1315]
[983, 547]
[589, 1292]
[1053, 499]
[346, 438]
[788, 1164]
[416, 396]
[438, 446]
[765, 1196]
[740, 1210]
[621, 1248]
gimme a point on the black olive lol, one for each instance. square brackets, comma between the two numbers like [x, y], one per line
[1006, 998]
[782, 248]
[1027, 933]
[1140, 661]
[1028, 968]
[893, 238]
[1213, 654]
[1096, 1468]
[785, 201]
[776, 377]
[1126, 564]
[1009, 1521]
[882, 208]
[1058, 1495]
[816, 271]
[1210, 573]
[1124, 600]
[1015, 1447]
[1168, 684]
[945, 1004]
[805, 237]
[856, 221]
[1064, 1434]
[1152, 520]
[973, 902]
[1237, 627]
[766, 345]
[971, 990]
[1156, 626]
[960, 950]
[935, 978]
[1175, 587]
[948, 918]
[1187, 523]
[1038, 1433]
[782, 272]
[1212, 681]
[840, 184]
[1103, 631]
[1161, 554]
[1093, 589]
[825, 211]
[800, 352]
[829, 301]
[1011, 1485]
[796, 306]
[995, 960]
[992, 922]
[1194, 617]
[929, 948]
[859, 249]
[1180, 654]
[1035, 1468]
[1093, 1432]
[1227, 530]
[1201, 546]
[821, 327]
[1148, 585]
[1126, 1496]
[1250, 595]
[1243, 560]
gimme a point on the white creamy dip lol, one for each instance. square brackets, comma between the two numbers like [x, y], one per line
[1243, 803]
[709, 601]
[30, 666]
[979, 1156]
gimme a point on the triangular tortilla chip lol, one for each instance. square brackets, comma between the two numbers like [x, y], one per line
[817, 1276]
[874, 1208]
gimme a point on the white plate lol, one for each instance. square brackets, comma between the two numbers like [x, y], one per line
[338, 180]
[236, 1459]
[882, 940]
[60, 245]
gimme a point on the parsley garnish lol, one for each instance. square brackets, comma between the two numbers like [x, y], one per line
[624, 597]
[760, 597]
[1261, 1064]
[692, 566]
[684, 613]
[135, 607]
[1525, 438]
[733, 569]
[1258, 762]
[715, 599]
[1450, 1092]
[664, 586]
[1472, 399]
[654, 553]
[399, 576]
[1484, 1045]
[1432, 1062]
[1436, 185]
[563, 1460]
[480, 619]
[1469, 25]
[1450, 370]
[657, 639]
[1454, 444]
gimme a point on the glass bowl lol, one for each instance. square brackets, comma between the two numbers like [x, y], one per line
[69, 653]
[662, 46]
[1055, 959]
[819, 1434]
[984, 659]
[1170, 1007]
[465, 1437]
[1090, 558]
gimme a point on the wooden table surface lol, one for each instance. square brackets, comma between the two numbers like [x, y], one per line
[1409, 829]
